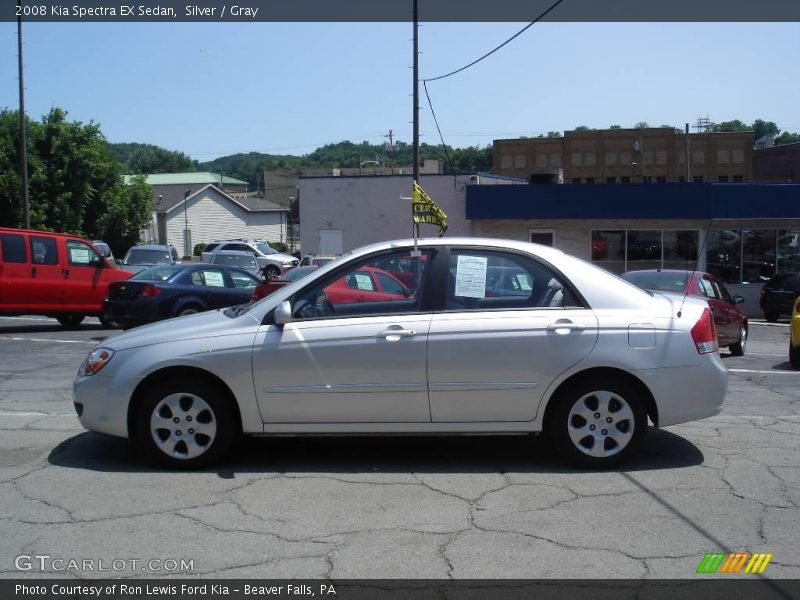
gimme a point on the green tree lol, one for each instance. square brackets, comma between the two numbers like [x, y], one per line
[128, 210]
[641, 125]
[731, 126]
[583, 128]
[787, 138]
[148, 159]
[616, 127]
[762, 128]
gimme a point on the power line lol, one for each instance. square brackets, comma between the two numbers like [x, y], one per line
[513, 37]
[436, 121]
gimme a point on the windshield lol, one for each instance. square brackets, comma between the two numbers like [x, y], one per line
[662, 281]
[247, 262]
[146, 257]
[157, 273]
[265, 248]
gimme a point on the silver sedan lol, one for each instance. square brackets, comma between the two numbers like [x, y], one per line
[389, 339]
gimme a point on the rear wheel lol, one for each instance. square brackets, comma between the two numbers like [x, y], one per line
[70, 321]
[188, 311]
[771, 316]
[108, 323]
[794, 356]
[597, 422]
[738, 348]
[186, 423]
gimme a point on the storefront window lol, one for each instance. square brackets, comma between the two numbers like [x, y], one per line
[680, 250]
[644, 250]
[724, 254]
[608, 250]
[758, 255]
[788, 250]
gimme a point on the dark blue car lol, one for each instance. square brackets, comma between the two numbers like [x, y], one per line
[164, 291]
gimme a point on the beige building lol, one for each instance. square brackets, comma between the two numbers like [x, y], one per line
[656, 155]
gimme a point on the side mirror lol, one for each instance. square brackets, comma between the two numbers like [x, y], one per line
[737, 299]
[283, 314]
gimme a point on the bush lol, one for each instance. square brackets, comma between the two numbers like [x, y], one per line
[198, 249]
[279, 246]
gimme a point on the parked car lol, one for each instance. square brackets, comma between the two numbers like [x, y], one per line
[236, 258]
[730, 321]
[271, 262]
[105, 250]
[779, 294]
[265, 288]
[164, 291]
[794, 336]
[57, 275]
[587, 368]
[314, 260]
[142, 256]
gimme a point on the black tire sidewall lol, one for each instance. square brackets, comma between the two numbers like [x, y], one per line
[70, 321]
[564, 401]
[220, 404]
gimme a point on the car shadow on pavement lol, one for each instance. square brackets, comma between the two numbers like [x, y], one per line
[389, 454]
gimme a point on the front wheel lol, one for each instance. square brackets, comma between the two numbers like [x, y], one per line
[271, 273]
[597, 422]
[771, 316]
[738, 348]
[70, 321]
[186, 423]
[794, 356]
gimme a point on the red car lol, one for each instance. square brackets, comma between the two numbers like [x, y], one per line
[366, 284]
[731, 322]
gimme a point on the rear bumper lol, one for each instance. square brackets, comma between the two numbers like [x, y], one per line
[688, 393]
[130, 313]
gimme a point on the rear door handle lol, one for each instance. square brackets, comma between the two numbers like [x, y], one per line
[565, 327]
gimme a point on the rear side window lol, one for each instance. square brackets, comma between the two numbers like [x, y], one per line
[243, 280]
[208, 278]
[13, 248]
[43, 251]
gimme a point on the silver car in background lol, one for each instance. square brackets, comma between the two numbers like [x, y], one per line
[236, 258]
[388, 339]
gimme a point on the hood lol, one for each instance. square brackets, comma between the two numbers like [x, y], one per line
[200, 325]
[134, 268]
[279, 258]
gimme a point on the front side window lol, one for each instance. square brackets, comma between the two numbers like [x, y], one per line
[389, 283]
[43, 251]
[488, 280]
[80, 254]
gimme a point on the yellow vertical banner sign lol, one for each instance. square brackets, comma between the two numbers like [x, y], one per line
[425, 210]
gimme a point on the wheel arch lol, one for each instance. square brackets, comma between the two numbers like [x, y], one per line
[188, 302]
[599, 372]
[166, 373]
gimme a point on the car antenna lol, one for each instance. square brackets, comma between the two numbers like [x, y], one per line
[689, 279]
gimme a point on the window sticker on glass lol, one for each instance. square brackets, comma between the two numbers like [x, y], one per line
[363, 281]
[471, 276]
[79, 256]
[214, 279]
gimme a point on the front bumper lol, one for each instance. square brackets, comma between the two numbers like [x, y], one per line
[102, 403]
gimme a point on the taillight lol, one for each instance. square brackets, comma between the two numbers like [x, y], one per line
[148, 291]
[704, 334]
[797, 307]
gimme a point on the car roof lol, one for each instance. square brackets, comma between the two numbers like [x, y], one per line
[233, 253]
[150, 247]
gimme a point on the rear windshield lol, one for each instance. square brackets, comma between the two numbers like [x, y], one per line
[660, 281]
[158, 273]
[146, 257]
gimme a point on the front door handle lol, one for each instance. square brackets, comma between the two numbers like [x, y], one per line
[392, 335]
[564, 327]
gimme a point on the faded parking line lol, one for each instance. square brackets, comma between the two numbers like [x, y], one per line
[26, 339]
[764, 372]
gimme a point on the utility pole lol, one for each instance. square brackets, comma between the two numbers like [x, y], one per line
[23, 144]
[686, 150]
[391, 151]
[416, 103]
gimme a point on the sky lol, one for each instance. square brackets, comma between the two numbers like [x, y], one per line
[212, 89]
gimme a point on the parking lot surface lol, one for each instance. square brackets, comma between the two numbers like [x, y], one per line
[413, 507]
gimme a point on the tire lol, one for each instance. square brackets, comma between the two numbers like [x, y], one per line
[587, 408]
[108, 324]
[271, 273]
[739, 347]
[191, 310]
[70, 321]
[794, 356]
[180, 445]
[771, 316]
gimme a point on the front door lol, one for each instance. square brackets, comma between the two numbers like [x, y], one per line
[85, 286]
[344, 360]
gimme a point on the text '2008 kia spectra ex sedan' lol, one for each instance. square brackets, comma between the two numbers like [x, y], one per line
[575, 352]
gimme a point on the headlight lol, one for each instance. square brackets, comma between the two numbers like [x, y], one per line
[97, 359]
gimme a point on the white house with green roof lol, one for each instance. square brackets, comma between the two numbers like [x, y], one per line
[210, 207]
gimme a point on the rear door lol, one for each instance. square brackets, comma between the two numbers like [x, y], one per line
[46, 290]
[491, 356]
[15, 271]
